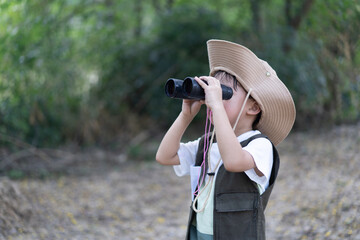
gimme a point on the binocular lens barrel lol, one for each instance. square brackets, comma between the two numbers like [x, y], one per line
[190, 89]
[174, 88]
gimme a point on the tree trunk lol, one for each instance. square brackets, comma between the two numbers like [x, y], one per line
[293, 21]
[138, 18]
[256, 17]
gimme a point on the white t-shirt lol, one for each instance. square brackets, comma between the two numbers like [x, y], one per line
[261, 151]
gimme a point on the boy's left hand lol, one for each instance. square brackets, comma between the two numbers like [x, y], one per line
[213, 91]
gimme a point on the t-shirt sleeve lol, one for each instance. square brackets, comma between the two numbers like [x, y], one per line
[187, 154]
[262, 152]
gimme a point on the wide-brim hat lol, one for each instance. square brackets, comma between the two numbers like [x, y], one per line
[277, 106]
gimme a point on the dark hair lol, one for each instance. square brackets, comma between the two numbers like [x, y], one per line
[256, 121]
[227, 77]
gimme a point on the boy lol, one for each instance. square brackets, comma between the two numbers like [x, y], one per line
[242, 165]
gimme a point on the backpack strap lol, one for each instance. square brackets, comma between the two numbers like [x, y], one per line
[247, 141]
[200, 151]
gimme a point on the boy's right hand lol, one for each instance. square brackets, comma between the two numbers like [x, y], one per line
[191, 107]
[169, 146]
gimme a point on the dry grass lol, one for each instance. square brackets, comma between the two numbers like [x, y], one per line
[318, 189]
[316, 197]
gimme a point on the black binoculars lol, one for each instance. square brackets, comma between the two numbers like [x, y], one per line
[189, 88]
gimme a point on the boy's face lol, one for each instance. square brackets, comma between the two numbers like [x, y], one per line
[234, 104]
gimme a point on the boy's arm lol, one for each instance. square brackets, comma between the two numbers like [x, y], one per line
[234, 157]
[169, 146]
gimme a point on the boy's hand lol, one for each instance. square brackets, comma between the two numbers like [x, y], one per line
[213, 91]
[190, 108]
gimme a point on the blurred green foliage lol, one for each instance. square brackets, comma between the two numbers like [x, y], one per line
[92, 71]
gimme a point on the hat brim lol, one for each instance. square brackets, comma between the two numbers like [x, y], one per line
[276, 103]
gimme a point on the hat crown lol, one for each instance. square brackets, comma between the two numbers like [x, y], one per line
[274, 99]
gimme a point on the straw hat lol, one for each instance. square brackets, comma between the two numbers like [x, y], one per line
[277, 106]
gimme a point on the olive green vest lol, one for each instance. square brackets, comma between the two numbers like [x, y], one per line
[238, 206]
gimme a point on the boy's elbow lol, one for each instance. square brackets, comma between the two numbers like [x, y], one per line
[159, 159]
[165, 160]
[230, 167]
[229, 163]
[239, 162]
[235, 166]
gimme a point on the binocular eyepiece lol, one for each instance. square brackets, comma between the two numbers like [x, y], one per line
[189, 88]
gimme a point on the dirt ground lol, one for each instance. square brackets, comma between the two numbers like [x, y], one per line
[316, 196]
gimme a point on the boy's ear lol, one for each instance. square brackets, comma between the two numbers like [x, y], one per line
[254, 109]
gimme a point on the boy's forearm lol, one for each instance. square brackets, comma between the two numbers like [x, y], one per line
[167, 151]
[235, 159]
